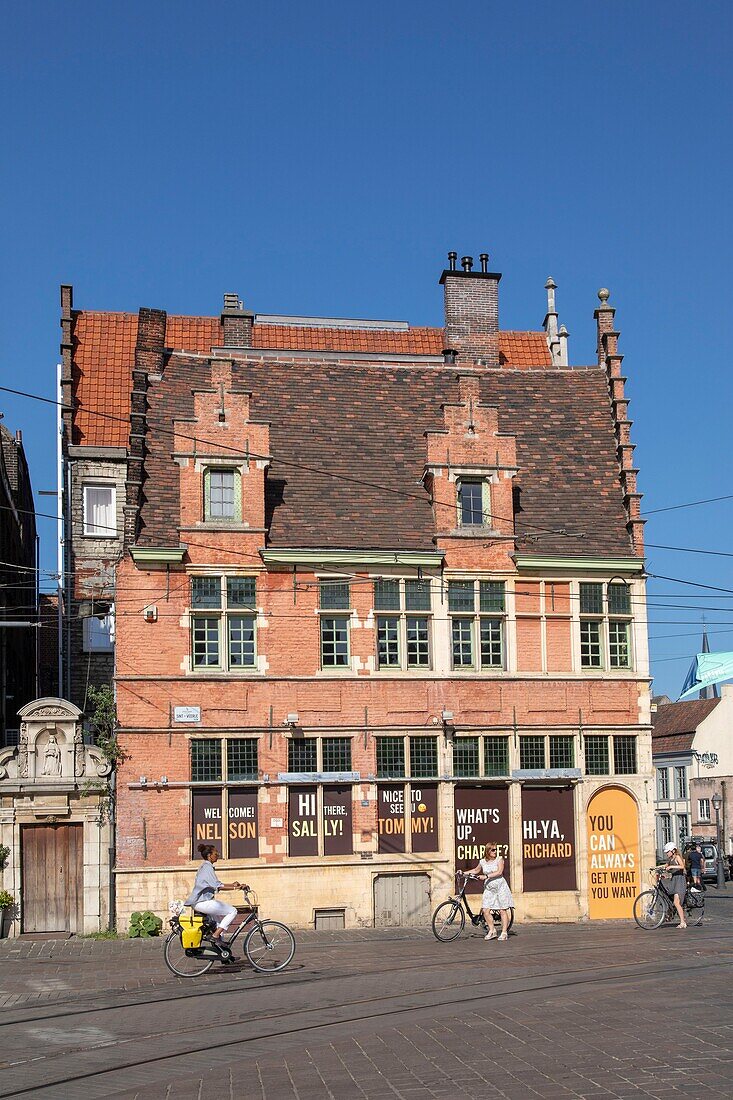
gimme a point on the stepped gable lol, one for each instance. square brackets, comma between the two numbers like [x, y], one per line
[366, 423]
[104, 352]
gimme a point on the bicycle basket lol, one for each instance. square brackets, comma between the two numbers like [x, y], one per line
[192, 930]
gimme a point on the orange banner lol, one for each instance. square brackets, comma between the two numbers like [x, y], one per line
[614, 869]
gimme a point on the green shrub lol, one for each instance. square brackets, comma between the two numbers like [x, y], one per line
[144, 925]
[7, 901]
[4, 853]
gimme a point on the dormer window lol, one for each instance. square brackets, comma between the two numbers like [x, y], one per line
[222, 496]
[473, 502]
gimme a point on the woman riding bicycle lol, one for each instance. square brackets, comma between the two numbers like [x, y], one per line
[677, 887]
[206, 886]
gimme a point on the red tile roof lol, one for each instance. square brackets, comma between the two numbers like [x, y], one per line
[676, 723]
[104, 352]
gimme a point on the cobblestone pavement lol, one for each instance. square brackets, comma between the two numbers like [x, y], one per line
[593, 1010]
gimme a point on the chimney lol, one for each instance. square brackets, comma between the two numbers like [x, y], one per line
[550, 322]
[236, 323]
[472, 311]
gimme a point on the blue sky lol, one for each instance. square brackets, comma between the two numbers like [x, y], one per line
[322, 158]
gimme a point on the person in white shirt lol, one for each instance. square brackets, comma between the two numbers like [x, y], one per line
[205, 886]
[497, 894]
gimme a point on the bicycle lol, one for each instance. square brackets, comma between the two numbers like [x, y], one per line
[653, 907]
[449, 919]
[269, 945]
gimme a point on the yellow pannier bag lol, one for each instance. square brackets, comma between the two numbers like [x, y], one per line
[191, 930]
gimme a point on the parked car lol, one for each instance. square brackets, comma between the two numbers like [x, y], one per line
[710, 855]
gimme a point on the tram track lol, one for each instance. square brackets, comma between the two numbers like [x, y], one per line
[300, 1021]
[292, 978]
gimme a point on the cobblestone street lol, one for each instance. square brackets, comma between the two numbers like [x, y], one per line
[596, 1010]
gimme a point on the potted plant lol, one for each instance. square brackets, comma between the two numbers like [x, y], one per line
[7, 905]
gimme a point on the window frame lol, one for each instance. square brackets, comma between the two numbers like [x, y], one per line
[108, 532]
[611, 754]
[701, 814]
[610, 615]
[474, 619]
[222, 468]
[473, 480]
[406, 744]
[88, 641]
[404, 620]
[223, 611]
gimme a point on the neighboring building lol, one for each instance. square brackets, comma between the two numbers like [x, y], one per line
[376, 602]
[693, 757]
[18, 586]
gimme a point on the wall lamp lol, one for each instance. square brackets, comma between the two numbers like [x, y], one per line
[291, 720]
[143, 780]
[447, 719]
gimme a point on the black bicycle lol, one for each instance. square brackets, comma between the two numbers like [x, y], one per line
[653, 907]
[449, 919]
[190, 951]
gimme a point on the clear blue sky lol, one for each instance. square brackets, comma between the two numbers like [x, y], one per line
[322, 158]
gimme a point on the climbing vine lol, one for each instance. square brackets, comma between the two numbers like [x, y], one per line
[102, 715]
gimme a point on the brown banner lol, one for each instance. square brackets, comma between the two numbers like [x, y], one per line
[338, 836]
[424, 818]
[242, 825]
[548, 839]
[205, 819]
[391, 817]
[481, 814]
[303, 821]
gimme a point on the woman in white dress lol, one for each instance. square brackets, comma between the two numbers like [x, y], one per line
[497, 894]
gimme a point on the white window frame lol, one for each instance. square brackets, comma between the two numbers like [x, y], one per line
[89, 529]
[95, 640]
[474, 479]
[701, 814]
[224, 613]
[404, 617]
[474, 619]
[604, 618]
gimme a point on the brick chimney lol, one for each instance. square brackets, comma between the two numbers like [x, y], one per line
[236, 323]
[472, 311]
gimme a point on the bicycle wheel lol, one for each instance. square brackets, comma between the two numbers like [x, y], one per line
[496, 917]
[695, 912]
[270, 946]
[649, 910]
[179, 962]
[448, 921]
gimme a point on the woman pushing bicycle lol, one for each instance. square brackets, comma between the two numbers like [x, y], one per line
[497, 894]
[677, 888]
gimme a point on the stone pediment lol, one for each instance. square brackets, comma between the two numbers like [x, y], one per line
[51, 752]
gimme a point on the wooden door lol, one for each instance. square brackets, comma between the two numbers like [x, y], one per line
[401, 900]
[52, 878]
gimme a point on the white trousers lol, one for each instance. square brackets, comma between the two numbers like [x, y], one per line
[223, 914]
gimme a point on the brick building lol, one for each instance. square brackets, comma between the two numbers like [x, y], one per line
[18, 585]
[379, 597]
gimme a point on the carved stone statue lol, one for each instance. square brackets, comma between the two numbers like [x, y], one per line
[52, 757]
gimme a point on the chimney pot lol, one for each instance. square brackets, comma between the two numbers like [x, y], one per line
[452, 257]
[467, 263]
[550, 284]
[484, 258]
[449, 356]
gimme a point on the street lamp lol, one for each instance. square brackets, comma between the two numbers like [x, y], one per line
[717, 803]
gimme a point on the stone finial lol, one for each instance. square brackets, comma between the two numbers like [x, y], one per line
[603, 295]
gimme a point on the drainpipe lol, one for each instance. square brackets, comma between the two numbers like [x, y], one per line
[112, 917]
[61, 503]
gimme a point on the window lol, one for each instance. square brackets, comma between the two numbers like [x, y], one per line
[403, 638]
[561, 752]
[334, 596]
[605, 612]
[100, 519]
[465, 757]
[599, 754]
[99, 634]
[496, 756]
[596, 755]
[241, 759]
[206, 762]
[663, 784]
[303, 754]
[532, 752]
[227, 639]
[390, 757]
[336, 754]
[683, 829]
[407, 756]
[471, 510]
[680, 782]
[222, 494]
[469, 629]
[665, 829]
[624, 754]
[703, 809]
